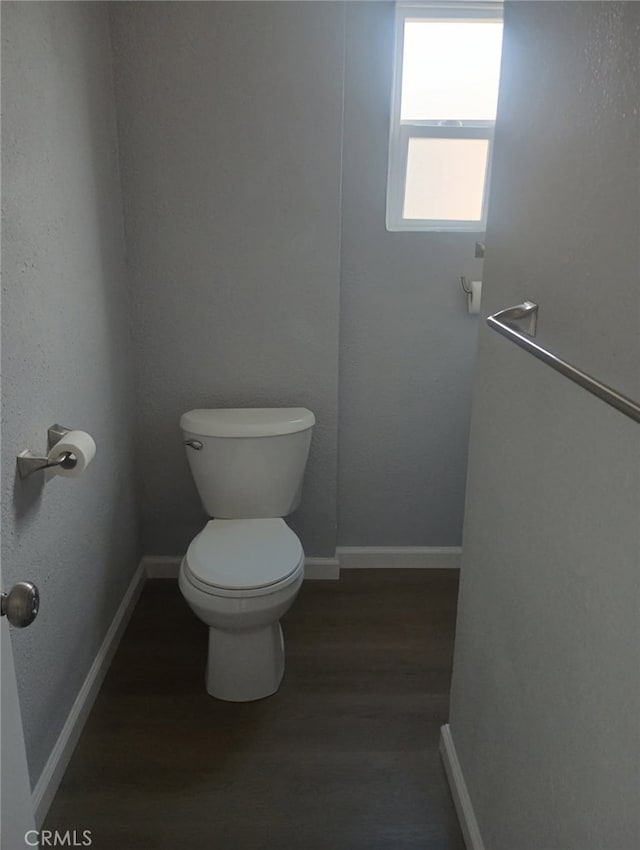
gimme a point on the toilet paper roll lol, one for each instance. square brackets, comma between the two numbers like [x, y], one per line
[474, 296]
[83, 448]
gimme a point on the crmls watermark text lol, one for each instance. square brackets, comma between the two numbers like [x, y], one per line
[53, 838]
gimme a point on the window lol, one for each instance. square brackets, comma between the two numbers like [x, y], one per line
[447, 68]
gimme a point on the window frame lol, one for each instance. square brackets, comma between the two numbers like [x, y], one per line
[402, 131]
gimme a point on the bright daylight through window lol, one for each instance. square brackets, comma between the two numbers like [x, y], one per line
[447, 69]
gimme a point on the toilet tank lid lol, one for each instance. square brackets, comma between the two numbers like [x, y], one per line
[247, 421]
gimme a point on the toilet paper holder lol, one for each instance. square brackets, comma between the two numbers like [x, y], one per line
[463, 282]
[28, 463]
[473, 293]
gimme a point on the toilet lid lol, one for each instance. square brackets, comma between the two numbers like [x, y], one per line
[244, 554]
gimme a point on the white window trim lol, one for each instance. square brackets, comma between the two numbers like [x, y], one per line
[402, 131]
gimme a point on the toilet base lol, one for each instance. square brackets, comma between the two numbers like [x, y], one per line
[245, 665]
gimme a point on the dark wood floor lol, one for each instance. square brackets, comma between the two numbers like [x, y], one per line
[344, 757]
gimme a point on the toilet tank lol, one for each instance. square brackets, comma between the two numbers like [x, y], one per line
[248, 462]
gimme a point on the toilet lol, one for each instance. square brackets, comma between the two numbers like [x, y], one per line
[243, 571]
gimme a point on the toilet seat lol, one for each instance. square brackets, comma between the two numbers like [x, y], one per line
[244, 557]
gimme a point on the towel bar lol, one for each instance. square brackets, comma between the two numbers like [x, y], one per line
[502, 322]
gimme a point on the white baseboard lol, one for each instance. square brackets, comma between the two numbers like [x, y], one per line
[161, 566]
[321, 568]
[54, 769]
[399, 557]
[459, 792]
[167, 566]
[346, 558]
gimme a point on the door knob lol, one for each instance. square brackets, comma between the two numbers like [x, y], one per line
[20, 605]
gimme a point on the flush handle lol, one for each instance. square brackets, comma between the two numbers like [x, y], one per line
[193, 444]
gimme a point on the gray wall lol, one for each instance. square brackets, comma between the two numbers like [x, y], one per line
[407, 347]
[230, 120]
[546, 685]
[230, 133]
[66, 348]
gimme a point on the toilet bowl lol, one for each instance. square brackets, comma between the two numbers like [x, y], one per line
[242, 572]
[240, 577]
